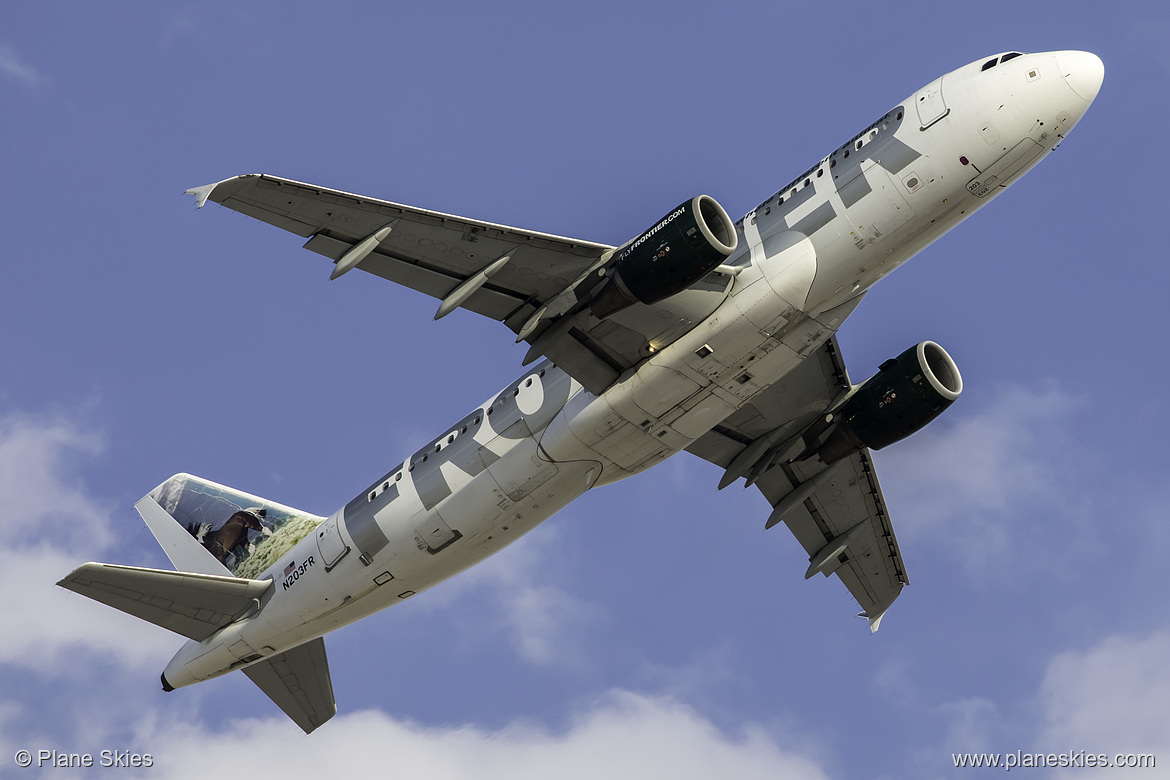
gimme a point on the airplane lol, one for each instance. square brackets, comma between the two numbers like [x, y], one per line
[699, 334]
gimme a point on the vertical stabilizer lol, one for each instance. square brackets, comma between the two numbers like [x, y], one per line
[212, 529]
[184, 550]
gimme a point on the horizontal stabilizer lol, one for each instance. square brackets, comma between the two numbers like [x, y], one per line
[194, 605]
[298, 682]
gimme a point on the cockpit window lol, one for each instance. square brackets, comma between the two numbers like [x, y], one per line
[991, 63]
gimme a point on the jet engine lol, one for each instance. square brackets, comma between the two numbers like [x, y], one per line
[679, 250]
[904, 395]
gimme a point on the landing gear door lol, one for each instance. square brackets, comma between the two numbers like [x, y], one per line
[330, 545]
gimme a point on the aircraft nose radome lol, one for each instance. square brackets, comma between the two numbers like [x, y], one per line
[1083, 71]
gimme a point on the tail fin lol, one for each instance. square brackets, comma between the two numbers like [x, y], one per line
[211, 529]
[221, 541]
[194, 605]
[198, 605]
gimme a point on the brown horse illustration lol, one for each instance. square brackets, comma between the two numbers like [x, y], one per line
[234, 532]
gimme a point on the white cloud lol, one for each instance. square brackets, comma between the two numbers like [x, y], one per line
[973, 724]
[1110, 698]
[16, 69]
[626, 735]
[40, 492]
[52, 525]
[972, 476]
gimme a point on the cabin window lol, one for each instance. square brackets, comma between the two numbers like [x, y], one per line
[991, 63]
[1011, 56]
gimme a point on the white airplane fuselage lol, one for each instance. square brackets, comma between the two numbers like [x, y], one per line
[806, 257]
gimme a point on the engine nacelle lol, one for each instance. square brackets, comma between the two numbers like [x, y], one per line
[682, 248]
[904, 395]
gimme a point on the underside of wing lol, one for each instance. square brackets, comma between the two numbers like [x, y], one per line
[836, 511]
[500, 272]
[426, 250]
[535, 283]
[298, 682]
[844, 526]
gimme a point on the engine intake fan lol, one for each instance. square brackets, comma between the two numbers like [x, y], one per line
[682, 247]
[904, 395]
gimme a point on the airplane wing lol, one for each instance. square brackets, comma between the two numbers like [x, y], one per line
[188, 603]
[452, 258]
[836, 512]
[298, 682]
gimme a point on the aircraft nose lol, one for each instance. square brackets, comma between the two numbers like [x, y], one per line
[1083, 71]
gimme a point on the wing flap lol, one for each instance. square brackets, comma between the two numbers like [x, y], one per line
[298, 682]
[871, 565]
[193, 605]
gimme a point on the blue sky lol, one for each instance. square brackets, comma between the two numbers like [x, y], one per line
[653, 628]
